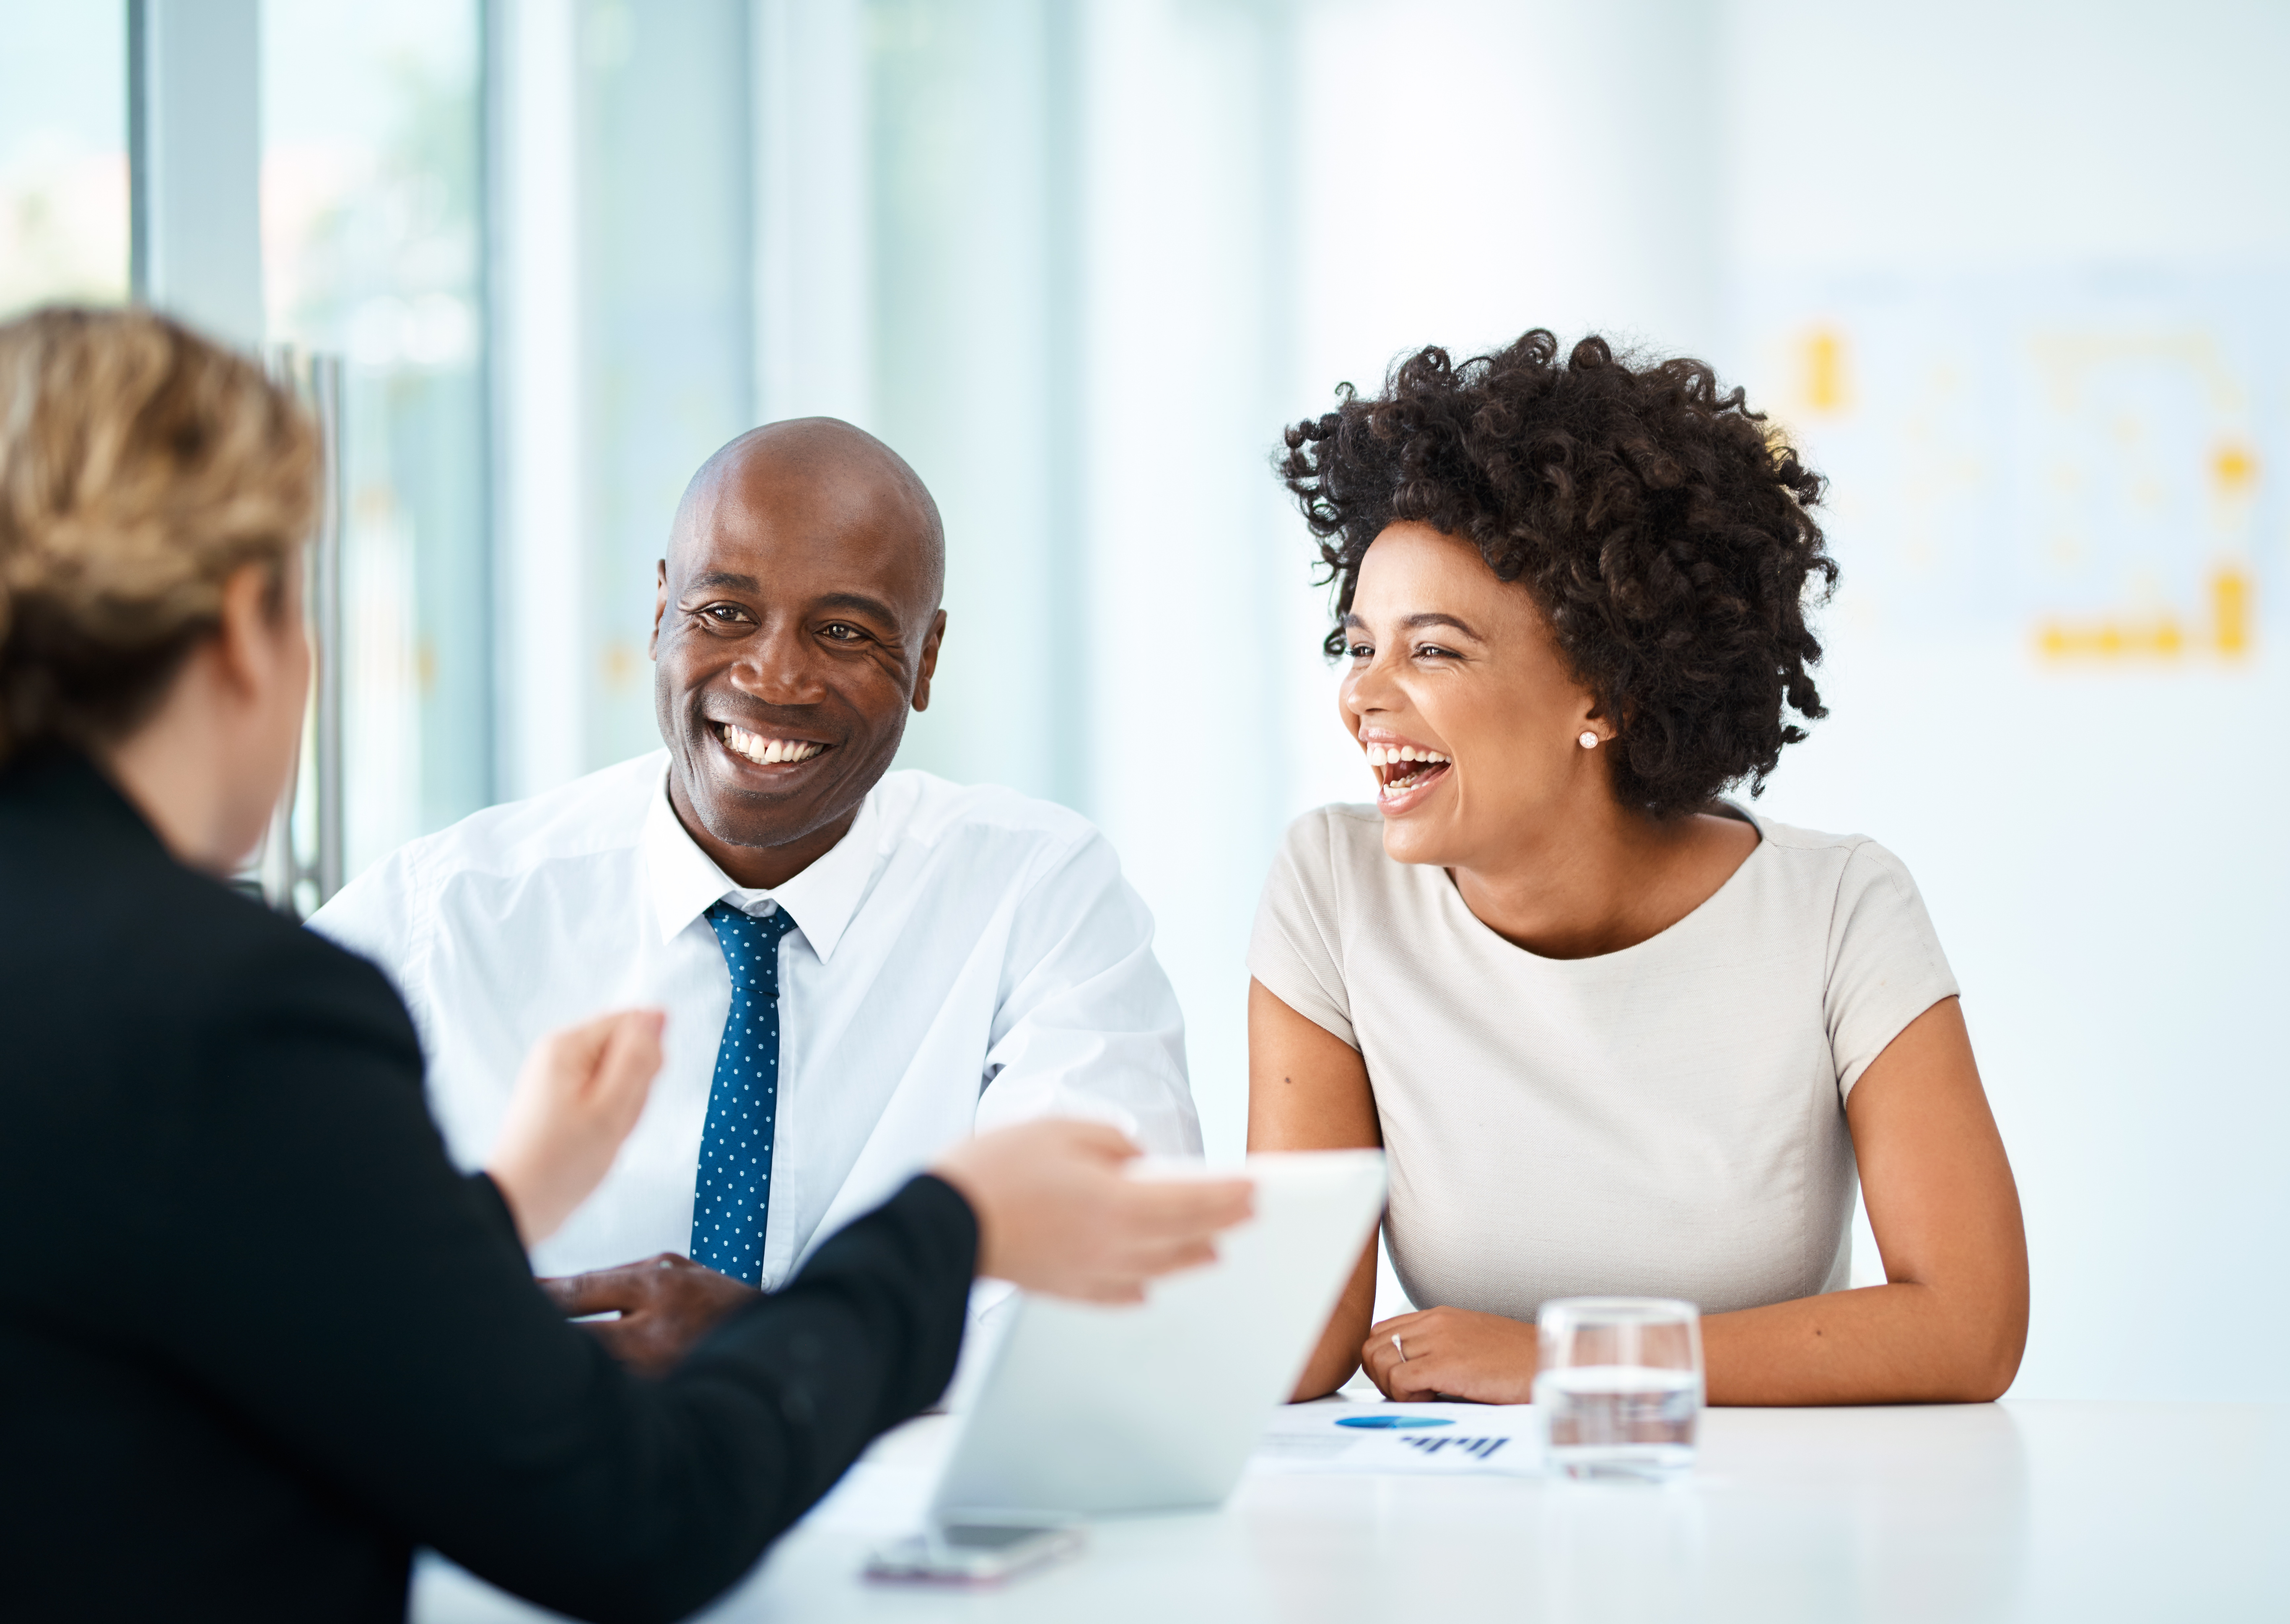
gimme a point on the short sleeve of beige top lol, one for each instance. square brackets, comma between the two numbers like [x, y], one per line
[1666, 1121]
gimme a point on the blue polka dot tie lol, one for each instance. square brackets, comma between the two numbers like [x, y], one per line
[734, 1189]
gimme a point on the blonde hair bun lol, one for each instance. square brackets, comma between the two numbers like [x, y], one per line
[140, 465]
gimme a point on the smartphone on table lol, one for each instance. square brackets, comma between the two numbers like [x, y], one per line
[974, 1551]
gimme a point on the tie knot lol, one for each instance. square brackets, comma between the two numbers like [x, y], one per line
[779, 921]
[751, 945]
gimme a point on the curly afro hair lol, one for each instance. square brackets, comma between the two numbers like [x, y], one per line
[1663, 528]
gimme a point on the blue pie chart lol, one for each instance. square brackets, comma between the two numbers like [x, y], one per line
[1388, 1423]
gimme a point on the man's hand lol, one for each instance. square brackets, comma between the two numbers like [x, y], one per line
[666, 1304]
[1057, 1214]
[1453, 1353]
[580, 1093]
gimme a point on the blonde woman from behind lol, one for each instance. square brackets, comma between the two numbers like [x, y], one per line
[260, 1336]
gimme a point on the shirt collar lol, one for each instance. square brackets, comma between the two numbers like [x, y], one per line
[685, 883]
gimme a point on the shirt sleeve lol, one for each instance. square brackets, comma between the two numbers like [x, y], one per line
[370, 917]
[1296, 950]
[365, 1309]
[1087, 1024]
[1885, 966]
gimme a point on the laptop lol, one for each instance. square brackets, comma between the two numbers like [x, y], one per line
[1087, 1409]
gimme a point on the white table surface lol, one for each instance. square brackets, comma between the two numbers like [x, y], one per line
[2077, 1512]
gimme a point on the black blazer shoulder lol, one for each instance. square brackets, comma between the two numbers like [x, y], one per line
[105, 926]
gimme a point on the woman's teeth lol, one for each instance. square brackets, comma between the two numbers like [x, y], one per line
[766, 752]
[1399, 767]
[1391, 756]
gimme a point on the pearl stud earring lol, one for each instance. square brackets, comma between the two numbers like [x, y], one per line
[1588, 741]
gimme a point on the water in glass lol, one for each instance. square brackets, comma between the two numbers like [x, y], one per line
[1619, 1386]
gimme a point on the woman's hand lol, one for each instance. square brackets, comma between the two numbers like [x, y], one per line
[1057, 1213]
[1453, 1353]
[580, 1093]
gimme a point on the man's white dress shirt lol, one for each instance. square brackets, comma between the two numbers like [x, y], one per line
[963, 958]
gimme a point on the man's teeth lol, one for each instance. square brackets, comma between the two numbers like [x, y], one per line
[764, 752]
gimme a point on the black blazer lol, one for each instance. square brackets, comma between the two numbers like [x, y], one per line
[258, 1337]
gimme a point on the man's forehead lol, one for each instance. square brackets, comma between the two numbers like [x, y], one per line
[838, 500]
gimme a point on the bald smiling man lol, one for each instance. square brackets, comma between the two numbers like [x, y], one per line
[859, 966]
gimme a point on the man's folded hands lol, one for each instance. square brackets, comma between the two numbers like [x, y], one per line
[666, 1304]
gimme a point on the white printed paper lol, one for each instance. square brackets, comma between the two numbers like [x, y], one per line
[1407, 1440]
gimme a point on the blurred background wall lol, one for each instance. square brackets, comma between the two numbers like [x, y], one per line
[2013, 272]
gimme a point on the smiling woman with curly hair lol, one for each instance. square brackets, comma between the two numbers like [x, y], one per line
[1616, 1034]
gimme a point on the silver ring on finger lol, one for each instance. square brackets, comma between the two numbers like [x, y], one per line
[1397, 1349]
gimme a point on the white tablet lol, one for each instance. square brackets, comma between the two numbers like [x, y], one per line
[1087, 1409]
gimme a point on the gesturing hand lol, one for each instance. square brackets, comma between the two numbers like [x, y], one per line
[1453, 1353]
[666, 1303]
[580, 1093]
[1057, 1214]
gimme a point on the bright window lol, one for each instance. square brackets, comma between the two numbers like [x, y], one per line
[372, 214]
[63, 153]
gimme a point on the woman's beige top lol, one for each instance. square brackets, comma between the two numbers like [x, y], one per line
[1666, 1121]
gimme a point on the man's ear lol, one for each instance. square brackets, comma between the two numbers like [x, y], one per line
[928, 664]
[659, 606]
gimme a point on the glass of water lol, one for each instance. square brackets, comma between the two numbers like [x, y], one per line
[1619, 1386]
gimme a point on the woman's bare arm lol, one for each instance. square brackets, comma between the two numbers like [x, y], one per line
[1307, 1090]
[1948, 1324]
[1952, 1321]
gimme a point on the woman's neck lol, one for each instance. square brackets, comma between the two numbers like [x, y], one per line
[177, 769]
[1603, 880]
